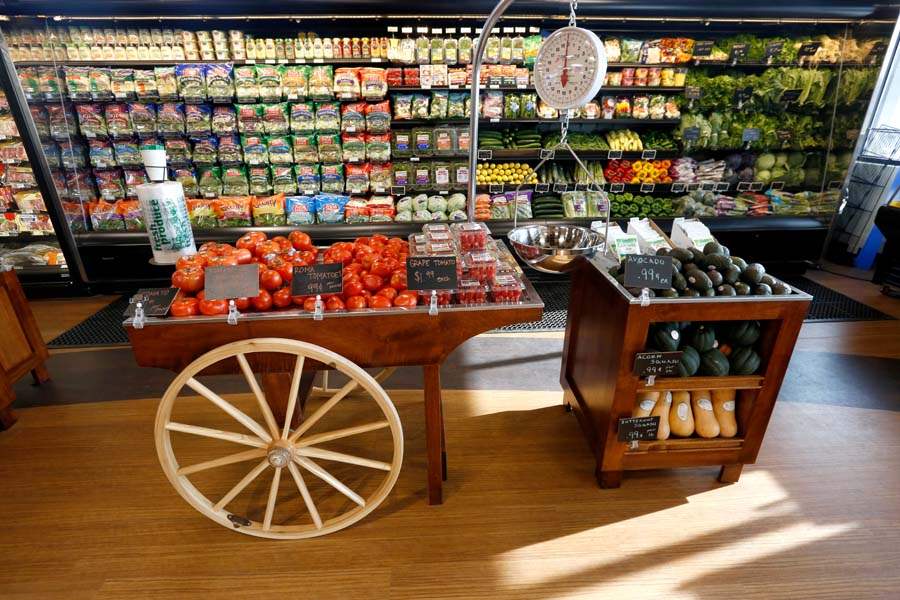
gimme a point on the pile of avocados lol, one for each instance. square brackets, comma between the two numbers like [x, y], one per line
[711, 272]
[709, 349]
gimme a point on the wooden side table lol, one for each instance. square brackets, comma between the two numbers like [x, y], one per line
[22, 348]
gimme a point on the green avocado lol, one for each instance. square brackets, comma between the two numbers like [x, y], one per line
[699, 280]
[682, 255]
[731, 274]
[715, 277]
[719, 261]
[762, 290]
[712, 248]
[663, 251]
[768, 280]
[781, 289]
[725, 290]
[753, 273]
[678, 281]
[742, 288]
[739, 262]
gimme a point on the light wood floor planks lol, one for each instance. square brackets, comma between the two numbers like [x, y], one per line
[89, 514]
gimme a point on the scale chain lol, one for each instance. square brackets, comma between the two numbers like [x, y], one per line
[573, 6]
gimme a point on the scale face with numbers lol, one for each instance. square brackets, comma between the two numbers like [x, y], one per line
[570, 68]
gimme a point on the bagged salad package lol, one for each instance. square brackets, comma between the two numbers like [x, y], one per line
[332, 177]
[275, 118]
[191, 80]
[198, 119]
[268, 211]
[283, 179]
[302, 117]
[378, 117]
[295, 82]
[188, 180]
[307, 177]
[143, 118]
[230, 150]
[170, 119]
[219, 83]
[259, 180]
[233, 211]
[301, 210]
[245, 86]
[268, 80]
[166, 83]
[330, 207]
[234, 181]
[353, 117]
[209, 182]
[202, 213]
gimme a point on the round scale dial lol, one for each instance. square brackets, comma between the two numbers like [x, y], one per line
[570, 68]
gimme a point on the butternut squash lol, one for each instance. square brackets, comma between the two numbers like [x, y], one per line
[723, 408]
[681, 420]
[661, 410]
[704, 420]
[645, 403]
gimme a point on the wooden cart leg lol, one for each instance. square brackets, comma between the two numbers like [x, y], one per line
[730, 473]
[40, 374]
[7, 416]
[277, 386]
[433, 436]
[443, 445]
[608, 479]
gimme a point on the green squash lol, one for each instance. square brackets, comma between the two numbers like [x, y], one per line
[690, 362]
[742, 333]
[713, 363]
[744, 361]
[701, 338]
[665, 337]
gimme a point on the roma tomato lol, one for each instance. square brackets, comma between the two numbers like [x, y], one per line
[334, 303]
[262, 302]
[283, 242]
[388, 292]
[382, 267]
[367, 260]
[185, 307]
[194, 260]
[242, 304]
[286, 271]
[355, 302]
[353, 267]
[406, 300]
[213, 307]
[249, 240]
[309, 305]
[398, 280]
[379, 302]
[189, 279]
[243, 256]
[282, 298]
[353, 287]
[300, 240]
[372, 282]
[270, 280]
[267, 248]
[222, 260]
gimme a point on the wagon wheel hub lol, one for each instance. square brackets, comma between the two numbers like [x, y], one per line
[279, 456]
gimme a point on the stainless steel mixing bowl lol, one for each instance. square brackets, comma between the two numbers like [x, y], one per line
[553, 248]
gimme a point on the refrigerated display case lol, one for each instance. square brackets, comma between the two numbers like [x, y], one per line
[350, 127]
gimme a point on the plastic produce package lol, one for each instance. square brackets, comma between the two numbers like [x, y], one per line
[234, 181]
[268, 81]
[219, 83]
[245, 86]
[283, 180]
[201, 213]
[378, 117]
[166, 83]
[303, 117]
[258, 178]
[268, 211]
[191, 82]
[308, 178]
[301, 210]
[329, 146]
[170, 119]
[233, 211]
[143, 118]
[328, 117]
[332, 178]
[330, 207]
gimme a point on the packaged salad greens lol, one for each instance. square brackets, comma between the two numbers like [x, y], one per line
[403, 107]
[143, 118]
[224, 120]
[378, 117]
[249, 118]
[258, 178]
[72, 156]
[254, 147]
[170, 119]
[209, 182]
[441, 171]
[380, 177]
[134, 178]
[307, 177]
[110, 184]
[420, 106]
[630, 50]
[373, 83]
[230, 150]
[423, 50]
[401, 173]
[62, 122]
[268, 211]
[378, 147]
[101, 86]
[91, 121]
[439, 105]
[295, 82]
[346, 83]
[219, 84]
[280, 149]
[460, 174]
[245, 87]
[328, 117]
[356, 210]
[354, 147]
[202, 213]
[198, 119]
[528, 106]
[401, 143]
[512, 106]
[357, 179]
[303, 117]
[145, 87]
[118, 122]
[283, 180]
[268, 79]
[233, 211]
[304, 148]
[177, 151]
[301, 210]
[444, 141]
[275, 118]
[353, 117]
[185, 176]
[121, 83]
[166, 83]
[191, 82]
[104, 216]
[456, 105]
[234, 181]
[329, 146]
[330, 207]
[422, 176]
[204, 150]
[331, 177]
[492, 105]
[321, 80]
[127, 153]
[423, 141]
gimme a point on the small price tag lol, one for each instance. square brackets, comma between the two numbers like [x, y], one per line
[431, 272]
[444, 192]
[617, 188]
[658, 364]
[783, 135]
[414, 159]
[154, 301]
[318, 61]
[547, 154]
[808, 49]
[425, 85]
[648, 155]
[773, 49]
[743, 186]
[878, 50]
[495, 188]
[318, 279]
[756, 186]
[777, 185]
[743, 95]
[692, 92]
[648, 271]
[677, 188]
[223, 283]
[648, 188]
[452, 86]
[270, 61]
[691, 134]
[581, 187]
[542, 187]
[282, 61]
[750, 134]
[707, 186]
[738, 51]
[722, 187]
[485, 154]
[614, 154]
[638, 429]
[789, 96]
[560, 187]
[495, 119]
[398, 190]
[693, 187]
[703, 48]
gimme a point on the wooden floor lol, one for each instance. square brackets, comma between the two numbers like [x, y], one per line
[89, 513]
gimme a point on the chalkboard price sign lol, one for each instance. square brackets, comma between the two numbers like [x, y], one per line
[751, 134]
[703, 48]
[738, 51]
[691, 133]
[788, 96]
[636, 429]
[646, 271]
[154, 301]
[658, 364]
[692, 92]
[808, 49]
[774, 49]
[313, 280]
[431, 272]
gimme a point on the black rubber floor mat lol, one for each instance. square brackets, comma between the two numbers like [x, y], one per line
[103, 328]
[555, 295]
[829, 305]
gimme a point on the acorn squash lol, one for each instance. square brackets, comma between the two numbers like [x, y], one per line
[744, 361]
[702, 338]
[690, 362]
[665, 337]
[742, 333]
[714, 363]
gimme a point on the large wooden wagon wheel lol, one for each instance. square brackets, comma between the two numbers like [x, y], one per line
[328, 489]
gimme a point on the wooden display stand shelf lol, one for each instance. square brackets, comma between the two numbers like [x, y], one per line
[607, 327]
[22, 348]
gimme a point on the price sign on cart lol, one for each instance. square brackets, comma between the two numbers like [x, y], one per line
[645, 271]
[431, 272]
[314, 280]
[636, 429]
[658, 364]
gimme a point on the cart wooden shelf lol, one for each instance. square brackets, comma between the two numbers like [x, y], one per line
[607, 327]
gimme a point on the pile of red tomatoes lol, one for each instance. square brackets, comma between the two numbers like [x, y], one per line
[374, 272]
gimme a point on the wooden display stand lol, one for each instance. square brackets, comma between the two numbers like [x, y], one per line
[22, 348]
[607, 327]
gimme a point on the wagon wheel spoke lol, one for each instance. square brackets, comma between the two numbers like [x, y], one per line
[270, 505]
[219, 462]
[292, 396]
[240, 416]
[327, 436]
[260, 396]
[344, 458]
[304, 492]
[237, 489]
[320, 412]
[328, 478]
[228, 436]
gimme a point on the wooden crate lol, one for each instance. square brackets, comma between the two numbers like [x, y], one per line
[607, 327]
[22, 348]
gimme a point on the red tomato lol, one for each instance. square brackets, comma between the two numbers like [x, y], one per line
[208, 248]
[286, 271]
[366, 261]
[283, 242]
[361, 251]
[263, 301]
[270, 280]
[372, 282]
[353, 267]
[353, 288]
[250, 240]
[300, 240]
[189, 279]
[309, 305]
[398, 280]
[355, 302]
[380, 238]
[298, 300]
[267, 248]
[184, 307]
[194, 260]
[213, 307]
[361, 241]
[382, 267]
[379, 302]
[243, 255]
[282, 298]
[242, 304]
[388, 292]
[406, 300]
[334, 303]
[222, 260]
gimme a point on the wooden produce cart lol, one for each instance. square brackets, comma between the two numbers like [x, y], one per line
[607, 327]
[285, 349]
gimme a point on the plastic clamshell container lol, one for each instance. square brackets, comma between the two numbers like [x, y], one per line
[506, 289]
[440, 248]
[471, 292]
[444, 297]
[471, 236]
[480, 266]
[418, 244]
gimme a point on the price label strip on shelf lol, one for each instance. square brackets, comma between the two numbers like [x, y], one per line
[560, 187]
[431, 273]
[657, 364]
[224, 283]
[648, 188]
[154, 301]
[738, 51]
[773, 49]
[647, 271]
[637, 429]
[743, 186]
[398, 190]
[756, 186]
[542, 188]
[547, 154]
[614, 154]
[678, 188]
[707, 186]
[495, 188]
[777, 185]
[485, 154]
[703, 48]
[617, 188]
[692, 92]
[722, 186]
[315, 280]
